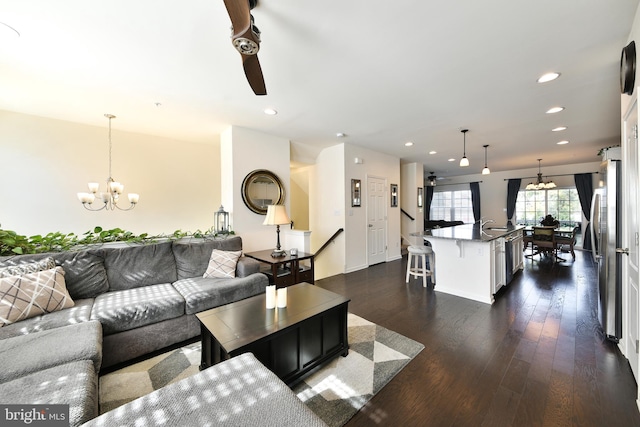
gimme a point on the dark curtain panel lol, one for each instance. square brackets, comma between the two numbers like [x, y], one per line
[475, 199]
[427, 202]
[513, 186]
[584, 185]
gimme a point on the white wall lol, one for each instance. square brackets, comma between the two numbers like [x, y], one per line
[493, 189]
[376, 165]
[327, 210]
[412, 177]
[46, 162]
[243, 151]
[300, 197]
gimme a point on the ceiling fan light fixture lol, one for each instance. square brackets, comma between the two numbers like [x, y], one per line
[464, 162]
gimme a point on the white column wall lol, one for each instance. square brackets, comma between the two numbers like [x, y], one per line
[243, 151]
[412, 177]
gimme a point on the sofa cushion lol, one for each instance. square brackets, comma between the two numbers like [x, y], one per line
[74, 384]
[131, 308]
[32, 294]
[85, 274]
[192, 256]
[140, 265]
[80, 312]
[28, 267]
[222, 264]
[247, 266]
[30, 353]
[237, 392]
[204, 293]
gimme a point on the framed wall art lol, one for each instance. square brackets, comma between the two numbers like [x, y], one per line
[356, 190]
[394, 195]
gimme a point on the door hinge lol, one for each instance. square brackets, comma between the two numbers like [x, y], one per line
[637, 344]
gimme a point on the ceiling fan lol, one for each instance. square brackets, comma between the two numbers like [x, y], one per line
[245, 36]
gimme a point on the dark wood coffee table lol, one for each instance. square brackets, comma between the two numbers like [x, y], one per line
[291, 341]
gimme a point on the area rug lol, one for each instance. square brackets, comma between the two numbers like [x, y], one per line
[335, 392]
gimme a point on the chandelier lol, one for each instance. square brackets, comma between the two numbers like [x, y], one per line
[114, 189]
[540, 185]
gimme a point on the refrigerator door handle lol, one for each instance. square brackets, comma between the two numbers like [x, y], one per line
[595, 222]
[622, 251]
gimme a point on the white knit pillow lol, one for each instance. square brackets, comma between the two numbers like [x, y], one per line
[32, 294]
[222, 264]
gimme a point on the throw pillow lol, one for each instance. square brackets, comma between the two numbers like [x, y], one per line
[30, 267]
[222, 264]
[32, 294]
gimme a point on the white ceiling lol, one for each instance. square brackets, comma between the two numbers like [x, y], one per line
[382, 72]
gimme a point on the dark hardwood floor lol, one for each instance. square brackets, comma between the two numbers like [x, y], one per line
[536, 357]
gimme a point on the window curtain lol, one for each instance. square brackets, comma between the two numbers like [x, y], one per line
[584, 186]
[475, 199]
[513, 186]
[427, 202]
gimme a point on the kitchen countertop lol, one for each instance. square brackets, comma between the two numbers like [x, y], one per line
[471, 232]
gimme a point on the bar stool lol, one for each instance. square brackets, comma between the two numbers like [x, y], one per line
[421, 252]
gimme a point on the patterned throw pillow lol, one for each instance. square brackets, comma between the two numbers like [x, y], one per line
[222, 264]
[31, 267]
[32, 294]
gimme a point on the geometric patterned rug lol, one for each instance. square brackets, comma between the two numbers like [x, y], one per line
[335, 392]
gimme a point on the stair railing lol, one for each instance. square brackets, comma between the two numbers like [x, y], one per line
[331, 239]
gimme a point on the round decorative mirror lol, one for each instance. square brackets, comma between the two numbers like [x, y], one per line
[260, 189]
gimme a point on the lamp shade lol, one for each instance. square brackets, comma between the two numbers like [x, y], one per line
[276, 215]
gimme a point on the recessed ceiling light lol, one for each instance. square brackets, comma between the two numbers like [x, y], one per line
[554, 110]
[408, 144]
[559, 128]
[270, 112]
[432, 152]
[451, 160]
[341, 134]
[562, 142]
[548, 77]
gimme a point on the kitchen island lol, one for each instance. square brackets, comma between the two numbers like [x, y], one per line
[474, 262]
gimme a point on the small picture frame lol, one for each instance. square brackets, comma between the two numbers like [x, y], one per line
[394, 195]
[420, 197]
[356, 191]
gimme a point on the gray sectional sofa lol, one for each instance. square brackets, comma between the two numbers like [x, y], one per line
[128, 302]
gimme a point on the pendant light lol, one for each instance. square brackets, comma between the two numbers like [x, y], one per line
[464, 162]
[486, 170]
[540, 185]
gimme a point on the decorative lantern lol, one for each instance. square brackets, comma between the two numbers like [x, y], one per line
[221, 221]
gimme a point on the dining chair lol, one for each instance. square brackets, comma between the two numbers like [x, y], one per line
[544, 241]
[568, 240]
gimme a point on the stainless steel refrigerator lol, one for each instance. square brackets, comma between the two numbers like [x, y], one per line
[606, 236]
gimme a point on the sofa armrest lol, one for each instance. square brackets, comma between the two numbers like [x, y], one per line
[247, 266]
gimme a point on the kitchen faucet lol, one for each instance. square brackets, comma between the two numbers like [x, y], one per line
[483, 223]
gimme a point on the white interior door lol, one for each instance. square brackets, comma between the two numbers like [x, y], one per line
[376, 220]
[630, 263]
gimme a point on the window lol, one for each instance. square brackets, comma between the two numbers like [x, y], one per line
[562, 203]
[452, 206]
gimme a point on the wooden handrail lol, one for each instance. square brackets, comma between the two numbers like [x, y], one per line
[407, 214]
[331, 239]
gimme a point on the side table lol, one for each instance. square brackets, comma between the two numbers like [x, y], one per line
[285, 270]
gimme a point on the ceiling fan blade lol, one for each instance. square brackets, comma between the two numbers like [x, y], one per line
[239, 13]
[253, 71]
[246, 39]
